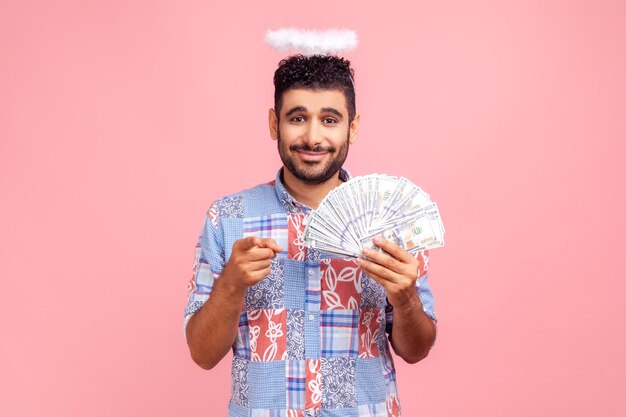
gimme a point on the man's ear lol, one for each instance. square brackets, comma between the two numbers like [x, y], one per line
[273, 124]
[354, 128]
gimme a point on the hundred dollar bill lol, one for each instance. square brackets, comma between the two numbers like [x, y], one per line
[421, 232]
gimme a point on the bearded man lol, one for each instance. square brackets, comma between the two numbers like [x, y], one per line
[310, 332]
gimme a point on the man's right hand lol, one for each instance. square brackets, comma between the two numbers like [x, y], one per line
[212, 331]
[250, 261]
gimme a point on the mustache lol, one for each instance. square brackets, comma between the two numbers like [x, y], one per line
[307, 148]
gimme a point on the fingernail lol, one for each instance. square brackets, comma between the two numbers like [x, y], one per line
[359, 261]
[366, 251]
[378, 239]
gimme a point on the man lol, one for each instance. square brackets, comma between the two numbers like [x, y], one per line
[308, 330]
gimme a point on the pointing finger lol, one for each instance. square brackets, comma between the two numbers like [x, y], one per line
[249, 242]
[259, 253]
[271, 244]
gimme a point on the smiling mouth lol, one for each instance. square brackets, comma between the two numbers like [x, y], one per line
[309, 156]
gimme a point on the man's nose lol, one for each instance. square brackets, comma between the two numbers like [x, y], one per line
[313, 134]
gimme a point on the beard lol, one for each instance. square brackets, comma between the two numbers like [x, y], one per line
[313, 173]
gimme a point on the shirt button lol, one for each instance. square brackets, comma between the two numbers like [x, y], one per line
[310, 272]
[311, 317]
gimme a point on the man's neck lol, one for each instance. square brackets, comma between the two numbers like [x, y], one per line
[310, 195]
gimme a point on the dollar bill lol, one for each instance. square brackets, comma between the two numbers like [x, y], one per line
[353, 214]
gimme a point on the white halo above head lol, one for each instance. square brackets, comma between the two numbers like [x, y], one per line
[312, 42]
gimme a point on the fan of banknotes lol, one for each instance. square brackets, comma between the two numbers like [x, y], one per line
[354, 213]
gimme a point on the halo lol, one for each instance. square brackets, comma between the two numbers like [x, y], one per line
[312, 42]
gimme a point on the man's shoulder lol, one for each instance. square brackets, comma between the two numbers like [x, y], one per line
[244, 203]
[264, 190]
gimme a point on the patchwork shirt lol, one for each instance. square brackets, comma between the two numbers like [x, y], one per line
[312, 338]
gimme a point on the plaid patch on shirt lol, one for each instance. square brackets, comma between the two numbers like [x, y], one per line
[296, 384]
[340, 332]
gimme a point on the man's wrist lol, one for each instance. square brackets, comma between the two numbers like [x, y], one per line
[226, 285]
[407, 301]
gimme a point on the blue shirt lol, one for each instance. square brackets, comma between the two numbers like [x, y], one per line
[312, 337]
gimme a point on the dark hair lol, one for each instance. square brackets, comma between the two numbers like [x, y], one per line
[317, 72]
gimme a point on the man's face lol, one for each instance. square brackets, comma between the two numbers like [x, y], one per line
[313, 133]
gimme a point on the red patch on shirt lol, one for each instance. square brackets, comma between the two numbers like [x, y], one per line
[393, 406]
[313, 387]
[370, 328]
[341, 284]
[268, 335]
[297, 249]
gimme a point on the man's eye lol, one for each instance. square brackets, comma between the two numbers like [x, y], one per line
[330, 120]
[297, 119]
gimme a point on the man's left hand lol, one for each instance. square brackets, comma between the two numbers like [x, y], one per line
[395, 270]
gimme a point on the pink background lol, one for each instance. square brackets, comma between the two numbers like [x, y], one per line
[120, 121]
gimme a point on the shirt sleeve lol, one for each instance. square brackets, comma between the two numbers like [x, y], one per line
[207, 265]
[424, 291]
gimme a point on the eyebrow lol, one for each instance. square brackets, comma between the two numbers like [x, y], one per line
[332, 110]
[298, 109]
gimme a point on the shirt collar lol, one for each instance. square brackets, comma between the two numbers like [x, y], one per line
[291, 204]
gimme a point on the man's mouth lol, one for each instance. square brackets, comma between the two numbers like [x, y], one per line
[310, 156]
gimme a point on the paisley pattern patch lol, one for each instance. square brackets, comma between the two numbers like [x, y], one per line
[239, 385]
[338, 382]
[295, 334]
[373, 294]
[192, 307]
[269, 293]
[231, 207]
